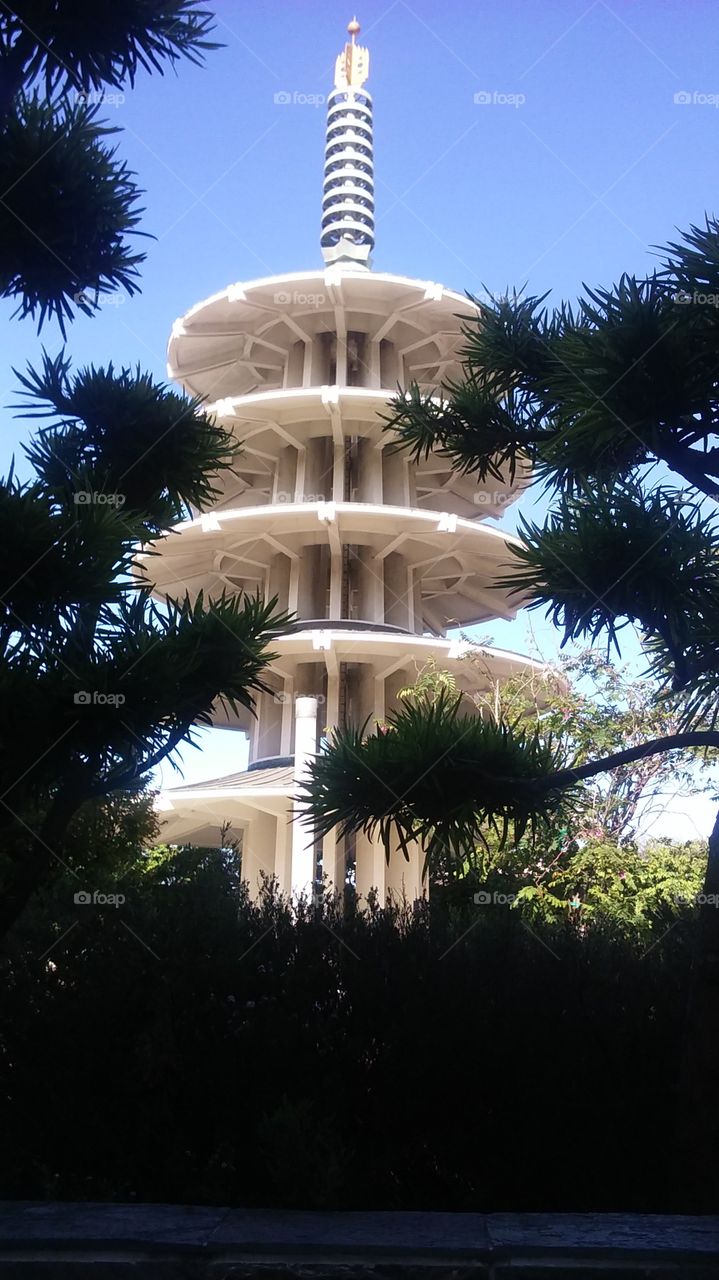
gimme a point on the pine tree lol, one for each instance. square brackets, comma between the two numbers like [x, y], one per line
[98, 683]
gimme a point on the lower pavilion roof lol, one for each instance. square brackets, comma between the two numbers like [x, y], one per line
[248, 780]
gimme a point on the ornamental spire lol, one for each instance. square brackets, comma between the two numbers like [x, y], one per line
[348, 189]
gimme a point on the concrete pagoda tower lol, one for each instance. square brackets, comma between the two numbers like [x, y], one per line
[376, 556]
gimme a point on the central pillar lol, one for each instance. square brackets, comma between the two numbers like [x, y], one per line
[303, 835]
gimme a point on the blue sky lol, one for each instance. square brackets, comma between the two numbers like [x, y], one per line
[591, 163]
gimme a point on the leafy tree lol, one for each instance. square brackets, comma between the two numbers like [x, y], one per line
[638, 890]
[98, 683]
[595, 398]
[57, 172]
[596, 706]
[586, 868]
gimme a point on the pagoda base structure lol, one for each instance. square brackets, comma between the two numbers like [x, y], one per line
[256, 806]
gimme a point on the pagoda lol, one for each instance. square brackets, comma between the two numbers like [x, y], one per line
[376, 556]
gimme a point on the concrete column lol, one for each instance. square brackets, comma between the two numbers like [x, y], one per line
[370, 867]
[258, 851]
[370, 472]
[285, 475]
[287, 717]
[394, 479]
[283, 853]
[268, 736]
[404, 879]
[396, 591]
[338, 473]
[333, 863]
[303, 837]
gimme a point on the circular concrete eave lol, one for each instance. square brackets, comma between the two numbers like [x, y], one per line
[267, 421]
[385, 653]
[254, 324]
[456, 561]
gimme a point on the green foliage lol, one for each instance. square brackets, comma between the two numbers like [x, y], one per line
[156, 451]
[594, 397]
[106, 840]
[265, 1049]
[431, 682]
[484, 425]
[98, 682]
[76, 44]
[596, 708]
[585, 869]
[437, 776]
[637, 890]
[53, 164]
[607, 558]
[69, 204]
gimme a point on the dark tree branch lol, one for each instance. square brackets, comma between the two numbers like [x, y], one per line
[674, 742]
[693, 467]
[130, 776]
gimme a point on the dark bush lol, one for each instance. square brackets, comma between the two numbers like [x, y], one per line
[189, 1046]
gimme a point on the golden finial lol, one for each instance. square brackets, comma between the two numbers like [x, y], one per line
[352, 67]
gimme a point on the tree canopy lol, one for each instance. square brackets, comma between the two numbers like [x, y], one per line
[98, 682]
[614, 404]
[69, 203]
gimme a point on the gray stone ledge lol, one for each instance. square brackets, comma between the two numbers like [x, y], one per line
[175, 1242]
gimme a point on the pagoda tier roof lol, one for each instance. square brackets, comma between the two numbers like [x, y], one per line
[457, 562]
[240, 339]
[267, 422]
